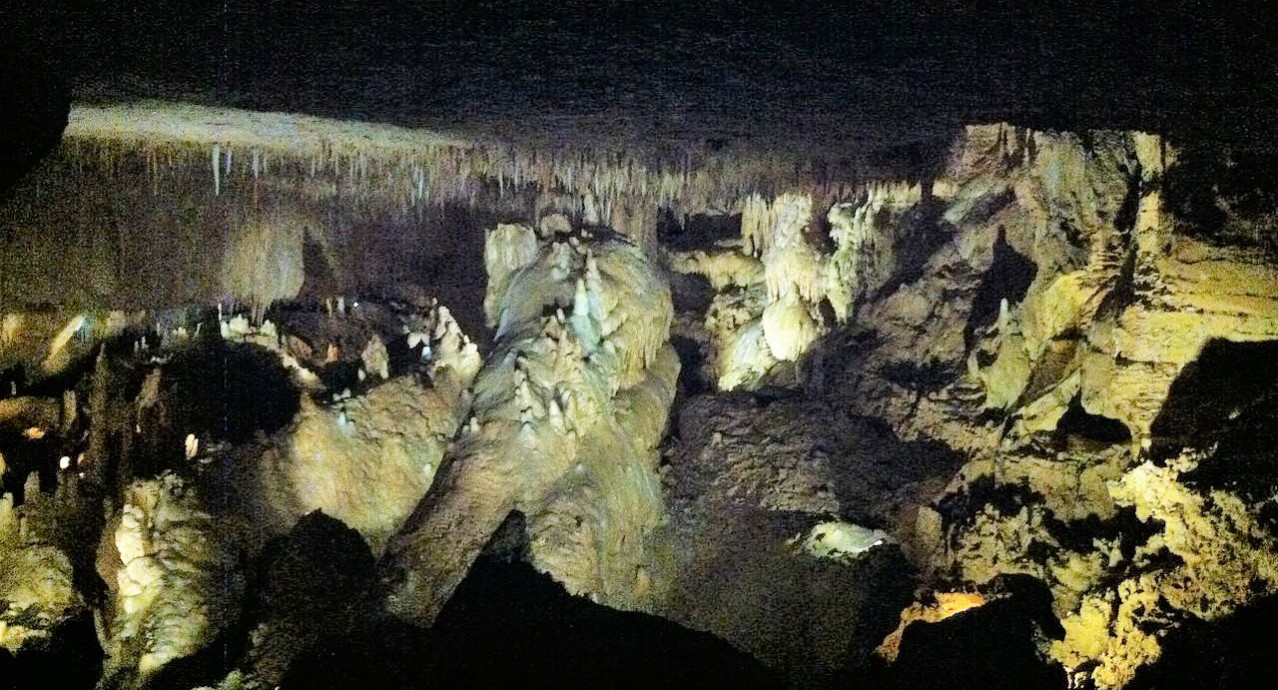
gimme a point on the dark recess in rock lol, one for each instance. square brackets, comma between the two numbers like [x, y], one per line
[1233, 653]
[72, 660]
[1223, 391]
[690, 292]
[1100, 430]
[696, 231]
[229, 391]
[320, 565]
[990, 647]
[922, 234]
[34, 102]
[691, 360]
[1008, 278]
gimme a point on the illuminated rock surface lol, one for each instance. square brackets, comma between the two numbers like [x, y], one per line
[1025, 382]
[35, 585]
[172, 581]
[567, 414]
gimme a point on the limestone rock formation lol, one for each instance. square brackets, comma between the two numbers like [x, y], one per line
[173, 578]
[567, 413]
[315, 582]
[365, 459]
[767, 290]
[36, 591]
[1053, 381]
[1210, 556]
[1031, 364]
[748, 485]
[776, 293]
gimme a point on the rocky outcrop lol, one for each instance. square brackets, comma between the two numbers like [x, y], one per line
[36, 590]
[1210, 556]
[173, 581]
[567, 413]
[364, 458]
[314, 583]
[779, 289]
[1053, 384]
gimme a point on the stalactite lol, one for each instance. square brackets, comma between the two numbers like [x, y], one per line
[217, 179]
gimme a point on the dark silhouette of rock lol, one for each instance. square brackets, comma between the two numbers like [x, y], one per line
[507, 626]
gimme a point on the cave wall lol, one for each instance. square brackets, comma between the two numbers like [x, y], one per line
[1055, 393]
[1032, 310]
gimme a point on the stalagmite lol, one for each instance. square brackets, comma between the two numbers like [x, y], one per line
[36, 593]
[520, 453]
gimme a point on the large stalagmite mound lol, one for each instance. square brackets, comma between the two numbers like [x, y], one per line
[567, 414]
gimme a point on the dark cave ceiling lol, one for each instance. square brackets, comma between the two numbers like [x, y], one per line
[874, 71]
[736, 66]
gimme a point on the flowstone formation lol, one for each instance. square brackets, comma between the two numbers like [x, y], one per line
[364, 459]
[173, 581]
[776, 294]
[567, 414]
[1217, 556]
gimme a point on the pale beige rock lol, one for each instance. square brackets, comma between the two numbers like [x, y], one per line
[723, 268]
[566, 415]
[174, 581]
[36, 591]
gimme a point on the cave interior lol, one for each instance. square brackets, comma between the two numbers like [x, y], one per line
[615, 344]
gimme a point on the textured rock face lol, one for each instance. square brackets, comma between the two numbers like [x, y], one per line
[566, 417]
[366, 463]
[203, 440]
[1223, 557]
[1023, 369]
[315, 583]
[1053, 382]
[369, 459]
[365, 459]
[1031, 307]
[776, 293]
[36, 591]
[173, 579]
